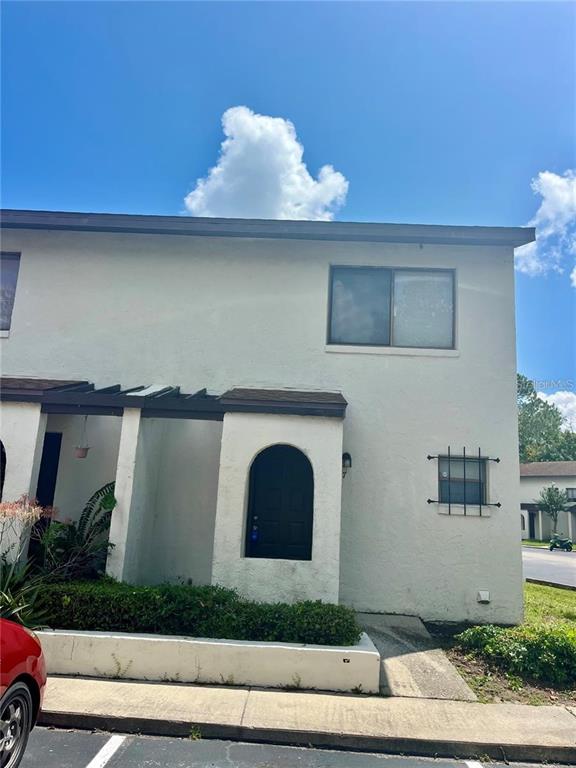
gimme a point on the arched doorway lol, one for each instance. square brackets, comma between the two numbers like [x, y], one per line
[280, 505]
[2, 468]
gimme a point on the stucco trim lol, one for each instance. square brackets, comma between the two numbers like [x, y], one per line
[350, 349]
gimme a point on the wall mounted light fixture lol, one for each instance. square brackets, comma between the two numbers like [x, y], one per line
[346, 463]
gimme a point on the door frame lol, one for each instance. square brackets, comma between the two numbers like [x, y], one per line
[252, 499]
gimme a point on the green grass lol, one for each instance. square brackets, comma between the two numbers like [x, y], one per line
[533, 663]
[548, 604]
[535, 543]
[542, 649]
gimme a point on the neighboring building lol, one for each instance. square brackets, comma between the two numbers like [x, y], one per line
[310, 347]
[536, 476]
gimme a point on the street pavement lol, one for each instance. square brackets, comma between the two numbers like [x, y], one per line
[83, 749]
[557, 567]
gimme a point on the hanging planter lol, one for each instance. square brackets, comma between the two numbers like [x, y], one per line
[81, 450]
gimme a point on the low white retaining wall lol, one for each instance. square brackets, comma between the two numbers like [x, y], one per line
[230, 662]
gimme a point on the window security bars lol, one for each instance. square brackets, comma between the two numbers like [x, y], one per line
[454, 488]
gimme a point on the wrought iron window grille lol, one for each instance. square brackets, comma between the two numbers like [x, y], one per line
[480, 462]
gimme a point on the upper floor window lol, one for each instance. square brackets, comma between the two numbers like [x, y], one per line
[9, 265]
[379, 306]
[571, 493]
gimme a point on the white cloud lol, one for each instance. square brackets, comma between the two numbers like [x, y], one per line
[260, 174]
[555, 223]
[565, 401]
[573, 277]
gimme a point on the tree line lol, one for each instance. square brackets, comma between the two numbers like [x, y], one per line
[540, 433]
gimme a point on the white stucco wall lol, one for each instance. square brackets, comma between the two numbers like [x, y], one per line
[185, 509]
[230, 312]
[216, 662]
[22, 427]
[244, 436]
[137, 471]
[78, 479]
[163, 525]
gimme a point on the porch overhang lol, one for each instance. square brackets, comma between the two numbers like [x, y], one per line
[164, 401]
[300, 403]
[532, 507]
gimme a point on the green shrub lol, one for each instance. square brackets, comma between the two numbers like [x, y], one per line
[77, 550]
[545, 652]
[21, 594]
[196, 611]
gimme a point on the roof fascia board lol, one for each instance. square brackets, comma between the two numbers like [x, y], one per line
[269, 229]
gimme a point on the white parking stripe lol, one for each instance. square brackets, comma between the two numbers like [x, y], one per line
[107, 751]
[473, 764]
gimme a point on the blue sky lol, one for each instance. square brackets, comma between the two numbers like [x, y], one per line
[433, 112]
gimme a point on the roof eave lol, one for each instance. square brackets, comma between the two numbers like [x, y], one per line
[265, 228]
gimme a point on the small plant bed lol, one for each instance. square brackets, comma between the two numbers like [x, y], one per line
[194, 611]
[534, 663]
[492, 685]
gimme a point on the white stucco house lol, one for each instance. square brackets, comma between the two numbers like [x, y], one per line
[299, 410]
[534, 477]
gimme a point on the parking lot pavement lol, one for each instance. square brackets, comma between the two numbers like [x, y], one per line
[50, 748]
[557, 567]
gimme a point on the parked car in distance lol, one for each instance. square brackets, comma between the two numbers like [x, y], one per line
[22, 681]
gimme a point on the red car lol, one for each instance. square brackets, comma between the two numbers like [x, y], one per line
[22, 681]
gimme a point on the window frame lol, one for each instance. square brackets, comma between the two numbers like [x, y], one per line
[11, 256]
[483, 481]
[392, 271]
[571, 493]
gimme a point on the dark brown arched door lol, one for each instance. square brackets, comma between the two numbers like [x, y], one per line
[2, 468]
[280, 505]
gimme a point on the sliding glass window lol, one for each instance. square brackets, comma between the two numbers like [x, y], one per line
[378, 306]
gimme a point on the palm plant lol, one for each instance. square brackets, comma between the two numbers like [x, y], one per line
[78, 550]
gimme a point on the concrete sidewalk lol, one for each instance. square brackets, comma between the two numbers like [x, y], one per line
[372, 723]
[411, 664]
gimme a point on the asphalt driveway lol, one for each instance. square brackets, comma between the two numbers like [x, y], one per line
[82, 749]
[556, 567]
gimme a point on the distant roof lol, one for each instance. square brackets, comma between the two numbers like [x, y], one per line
[265, 228]
[548, 469]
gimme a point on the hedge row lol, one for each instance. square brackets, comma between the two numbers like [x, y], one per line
[194, 611]
[545, 652]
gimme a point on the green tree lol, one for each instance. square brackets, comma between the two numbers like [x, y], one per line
[539, 426]
[552, 501]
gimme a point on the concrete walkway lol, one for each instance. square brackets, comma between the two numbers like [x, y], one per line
[401, 725]
[411, 664]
